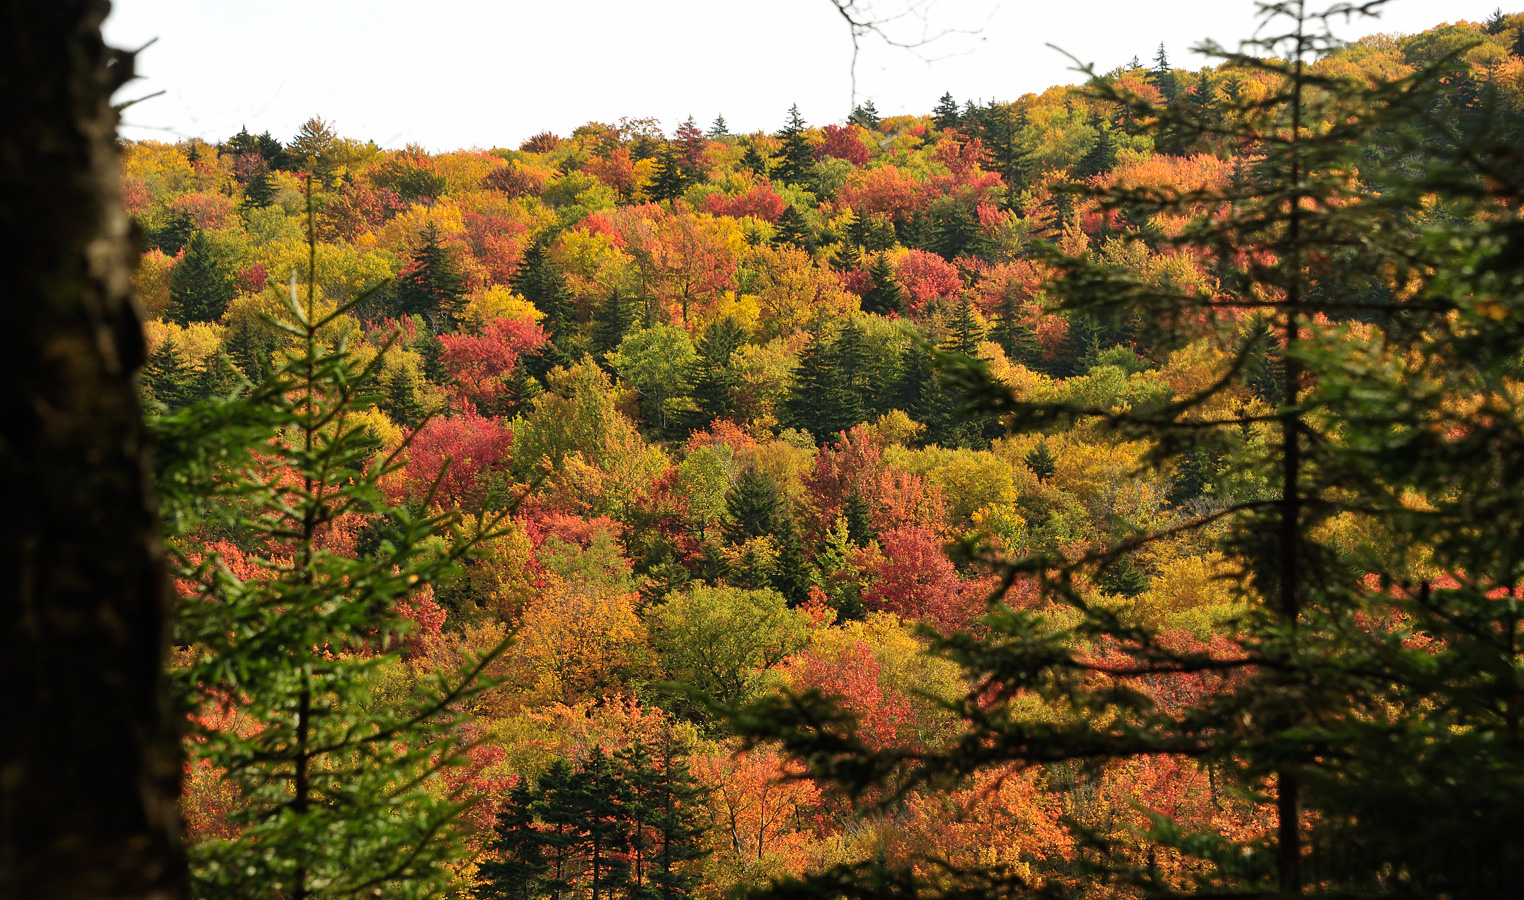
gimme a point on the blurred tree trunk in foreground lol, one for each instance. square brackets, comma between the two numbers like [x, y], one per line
[89, 766]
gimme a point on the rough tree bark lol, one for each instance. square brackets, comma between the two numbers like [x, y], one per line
[89, 765]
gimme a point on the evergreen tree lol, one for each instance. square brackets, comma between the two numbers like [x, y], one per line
[1102, 155]
[716, 383]
[866, 115]
[1162, 76]
[849, 384]
[403, 403]
[173, 236]
[1002, 133]
[1496, 23]
[719, 129]
[755, 160]
[517, 868]
[1012, 332]
[612, 320]
[602, 798]
[1041, 461]
[957, 231]
[318, 806]
[752, 507]
[885, 296]
[675, 802]
[670, 180]
[541, 283]
[791, 228]
[218, 379]
[945, 115]
[796, 158]
[792, 576]
[858, 513]
[259, 190]
[167, 377]
[430, 286]
[202, 283]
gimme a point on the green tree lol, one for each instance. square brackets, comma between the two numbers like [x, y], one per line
[866, 115]
[202, 283]
[720, 642]
[431, 285]
[670, 180]
[716, 382]
[945, 115]
[167, 377]
[337, 791]
[1102, 155]
[718, 129]
[796, 158]
[884, 296]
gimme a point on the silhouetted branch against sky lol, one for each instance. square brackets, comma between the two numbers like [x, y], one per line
[911, 25]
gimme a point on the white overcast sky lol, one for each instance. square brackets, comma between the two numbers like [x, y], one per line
[449, 74]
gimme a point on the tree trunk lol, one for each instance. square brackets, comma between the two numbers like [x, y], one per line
[89, 764]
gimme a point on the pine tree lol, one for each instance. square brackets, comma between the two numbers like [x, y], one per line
[201, 285]
[259, 190]
[884, 297]
[866, 115]
[1162, 76]
[793, 576]
[667, 818]
[403, 403]
[945, 115]
[755, 160]
[670, 180]
[1102, 155]
[173, 236]
[430, 286]
[751, 508]
[849, 385]
[167, 377]
[1041, 461]
[791, 228]
[541, 283]
[957, 231]
[796, 162]
[719, 129]
[809, 392]
[317, 805]
[603, 797]
[517, 868]
[716, 383]
[1012, 332]
[858, 513]
[1496, 23]
[612, 320]
[218, 379]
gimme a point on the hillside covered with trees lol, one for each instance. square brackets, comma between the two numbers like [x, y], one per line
[1091, 493]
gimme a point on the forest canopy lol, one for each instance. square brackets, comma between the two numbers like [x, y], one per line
[1107, 492]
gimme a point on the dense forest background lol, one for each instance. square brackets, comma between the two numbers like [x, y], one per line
[497, 480]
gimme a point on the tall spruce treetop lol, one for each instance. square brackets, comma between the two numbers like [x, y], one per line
[945, 115]
[1368, 693]
[1162, 76]
[431, 285]
[203, 283]
[796, 159]
[718, 128]
[866, 115]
